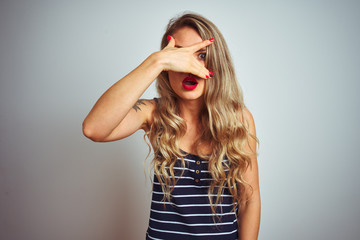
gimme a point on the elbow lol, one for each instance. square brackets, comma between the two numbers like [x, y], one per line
[91, 133]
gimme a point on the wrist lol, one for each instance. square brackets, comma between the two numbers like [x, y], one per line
[158, 61]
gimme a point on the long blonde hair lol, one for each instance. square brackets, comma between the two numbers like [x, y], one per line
[222, 120]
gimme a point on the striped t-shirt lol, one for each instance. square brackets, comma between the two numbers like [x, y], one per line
[188, 215]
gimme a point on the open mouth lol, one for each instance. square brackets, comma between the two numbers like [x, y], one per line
[189, 83]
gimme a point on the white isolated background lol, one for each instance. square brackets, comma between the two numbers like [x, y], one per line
[297, 62]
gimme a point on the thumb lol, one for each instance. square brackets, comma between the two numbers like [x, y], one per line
[171, 41]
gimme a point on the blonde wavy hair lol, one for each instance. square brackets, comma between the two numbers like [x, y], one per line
[222, 120]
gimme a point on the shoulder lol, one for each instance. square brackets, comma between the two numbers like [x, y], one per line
[249, 124]
[144, 104]
[247, 120]
[146, 107]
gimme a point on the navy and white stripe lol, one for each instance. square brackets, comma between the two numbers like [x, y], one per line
[188, 215]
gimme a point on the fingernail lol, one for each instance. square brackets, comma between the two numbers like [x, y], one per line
[169, 37]
[211, 39]
[211, 74]
[207, 76]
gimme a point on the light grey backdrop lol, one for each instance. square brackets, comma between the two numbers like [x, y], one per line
[297, 62]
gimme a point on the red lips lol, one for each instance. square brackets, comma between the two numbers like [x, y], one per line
[189, 83]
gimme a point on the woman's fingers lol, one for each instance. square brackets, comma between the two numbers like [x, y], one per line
[171, 41]
[202, 44]
[183, 59]
[199, 70]
[194, 47]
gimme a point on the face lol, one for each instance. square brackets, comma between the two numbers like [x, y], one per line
[183, 83]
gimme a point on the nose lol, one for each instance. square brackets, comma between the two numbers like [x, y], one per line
[192, 75]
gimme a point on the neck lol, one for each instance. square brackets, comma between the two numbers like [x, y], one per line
[190, 110]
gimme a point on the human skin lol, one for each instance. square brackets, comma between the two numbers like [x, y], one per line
[190, 103]
[185, 37]
[114, 116]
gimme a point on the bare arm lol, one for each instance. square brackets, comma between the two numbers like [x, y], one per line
[115, 104]
[249, 213]
[113, 117]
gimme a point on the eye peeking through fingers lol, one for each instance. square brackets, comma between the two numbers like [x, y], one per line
[202, 56]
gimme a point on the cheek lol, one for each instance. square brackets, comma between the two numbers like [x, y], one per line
[173, 79]
[171, 75]
[175, 75]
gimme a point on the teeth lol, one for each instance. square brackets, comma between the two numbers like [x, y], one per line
[190, 82]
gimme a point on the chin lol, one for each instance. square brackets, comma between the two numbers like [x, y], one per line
[189, 96]
[186, 94]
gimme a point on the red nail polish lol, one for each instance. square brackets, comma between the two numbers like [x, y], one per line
[211, 74]
[207, 76]
[169, 37]
[211, 39]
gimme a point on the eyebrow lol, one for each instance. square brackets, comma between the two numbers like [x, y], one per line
[200, 50]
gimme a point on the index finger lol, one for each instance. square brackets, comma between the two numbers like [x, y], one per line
[202, 44]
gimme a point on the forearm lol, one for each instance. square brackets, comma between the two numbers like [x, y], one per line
[115, 103]
[249, 219]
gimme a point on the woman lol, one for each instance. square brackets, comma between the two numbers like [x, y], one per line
[203, 137]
